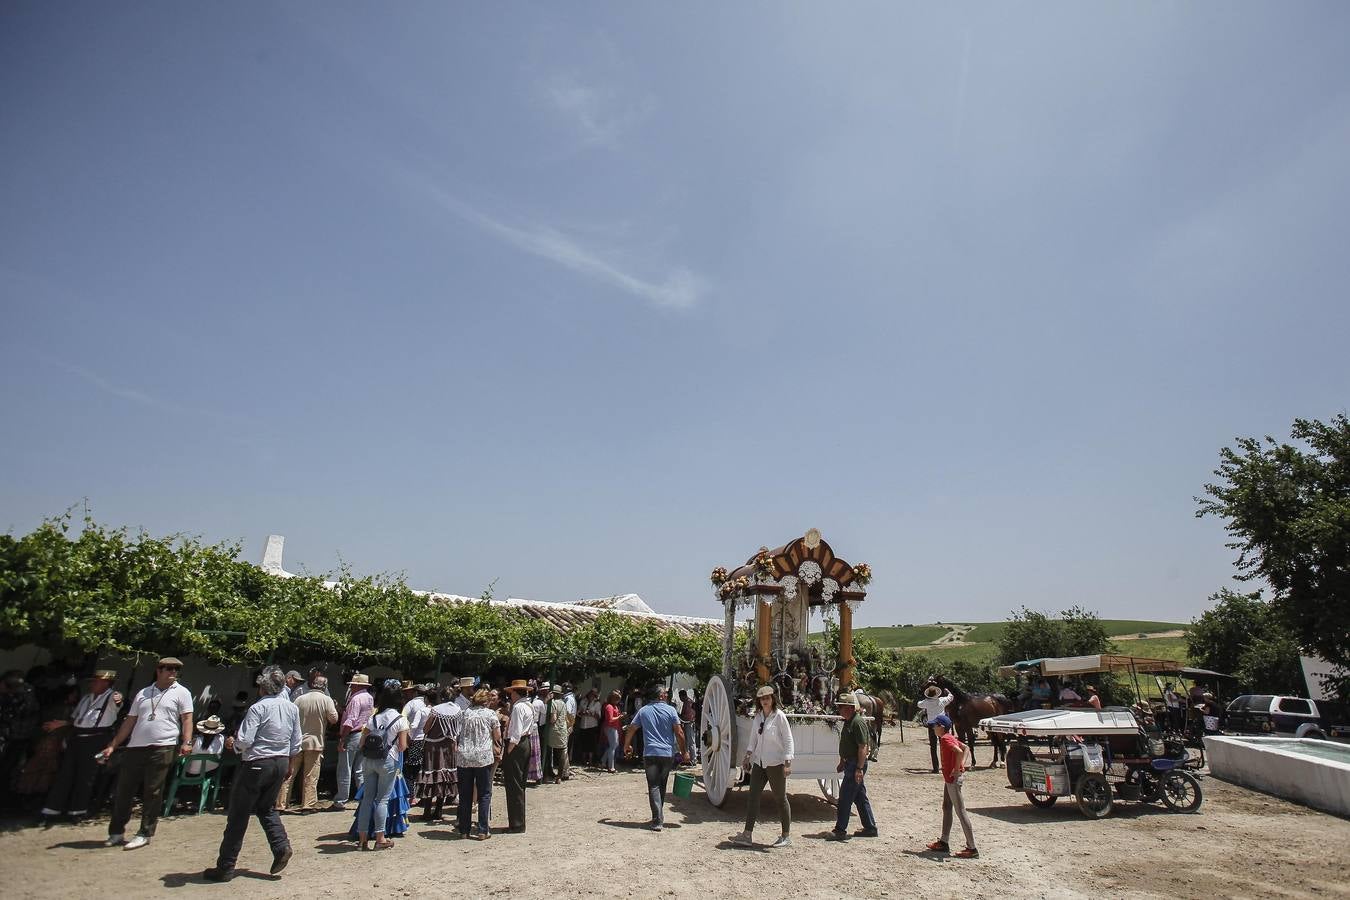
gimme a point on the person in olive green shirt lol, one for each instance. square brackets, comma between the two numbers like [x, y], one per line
[853, 744]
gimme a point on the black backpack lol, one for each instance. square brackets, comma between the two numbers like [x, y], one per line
[375, 745]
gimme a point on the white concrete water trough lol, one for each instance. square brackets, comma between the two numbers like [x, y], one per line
[1308, 771]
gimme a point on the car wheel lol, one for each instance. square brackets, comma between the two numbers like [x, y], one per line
[1181, 792]
[1017, 754]
[1043, 801]
[1093, 796]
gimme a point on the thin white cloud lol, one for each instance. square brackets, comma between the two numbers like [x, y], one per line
[599, 115]
[133, 395]
[679, 289]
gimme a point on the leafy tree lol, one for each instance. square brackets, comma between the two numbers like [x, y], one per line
[1243, 636]
[106, 590]
[1288, 509]
[1030, 634]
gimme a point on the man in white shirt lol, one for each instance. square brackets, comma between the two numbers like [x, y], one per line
[269, 738]
[934, 703]
[415, 711]
[569, 697]
[588, 728]
[464, 698]
[516, 763]
[541, 702]
[157, 730]
[1175, 716]
[92, 724]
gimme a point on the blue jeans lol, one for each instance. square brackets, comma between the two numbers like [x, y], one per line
[611, 747]
[379, 785]
[658, 777]
[852, 791]
[477, 778]
[349, 763]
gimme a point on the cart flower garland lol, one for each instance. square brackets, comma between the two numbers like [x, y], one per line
[763, 562]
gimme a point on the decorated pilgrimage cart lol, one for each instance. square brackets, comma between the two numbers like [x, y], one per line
[784, 587]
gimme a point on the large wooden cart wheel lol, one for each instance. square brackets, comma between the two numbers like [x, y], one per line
[718, 737]
[830, 788]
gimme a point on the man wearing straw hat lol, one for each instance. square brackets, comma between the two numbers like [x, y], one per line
[853, 746]
[465, 697]
[360, 705]
[516, 762]
[93, 721]
[157, 730]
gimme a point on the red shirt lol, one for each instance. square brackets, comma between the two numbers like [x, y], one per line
[953, 757]
[612, 717]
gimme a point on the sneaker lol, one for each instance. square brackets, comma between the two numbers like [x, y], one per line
[783, 841]
[137, 842]
[216, 873]
[968, 853]
[279, 861]
[743, 840]
[939, 847]
[115, 840]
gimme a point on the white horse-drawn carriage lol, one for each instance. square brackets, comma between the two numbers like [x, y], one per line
[784, 586]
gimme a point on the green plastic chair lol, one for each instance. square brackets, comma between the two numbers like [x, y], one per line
[209, 782]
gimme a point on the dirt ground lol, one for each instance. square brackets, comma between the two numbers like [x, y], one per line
[585, 838]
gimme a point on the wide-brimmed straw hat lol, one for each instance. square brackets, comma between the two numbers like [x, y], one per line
[519, 684]
[466, 681]
[211, 725]
[363, 680]
[846, 699]
[106, 674]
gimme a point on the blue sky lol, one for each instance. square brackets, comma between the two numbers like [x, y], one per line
[590, 298]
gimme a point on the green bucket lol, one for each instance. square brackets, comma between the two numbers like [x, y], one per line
[684, 784]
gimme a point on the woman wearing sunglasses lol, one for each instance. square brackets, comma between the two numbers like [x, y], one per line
[769, 758]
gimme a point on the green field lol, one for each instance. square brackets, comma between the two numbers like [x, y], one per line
[991, 631]
[905, 636]
[976, 653]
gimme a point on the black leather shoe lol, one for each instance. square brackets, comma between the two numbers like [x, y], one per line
[865, 832]
[279, 861]
[216, 873]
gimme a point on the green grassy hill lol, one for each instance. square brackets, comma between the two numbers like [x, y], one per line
[904, 636]
[982, 640]
[991, 631]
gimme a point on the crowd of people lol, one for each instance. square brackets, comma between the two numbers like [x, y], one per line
[404, 748]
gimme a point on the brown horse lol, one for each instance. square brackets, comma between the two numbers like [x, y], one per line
[966, 711]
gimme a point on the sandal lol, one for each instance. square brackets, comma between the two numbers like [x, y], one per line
[939, 847]
[383, 845]
[968, 853]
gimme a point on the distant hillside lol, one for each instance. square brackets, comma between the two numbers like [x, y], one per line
[977, 641]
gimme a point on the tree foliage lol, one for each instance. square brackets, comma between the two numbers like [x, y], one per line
[1288, 510]
[1031, 634]
[1243, 636]
[110, 591]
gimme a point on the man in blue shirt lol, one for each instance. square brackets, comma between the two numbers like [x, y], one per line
[661, 735]
[269, 739]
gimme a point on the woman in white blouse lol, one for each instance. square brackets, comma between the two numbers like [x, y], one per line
[769, 758]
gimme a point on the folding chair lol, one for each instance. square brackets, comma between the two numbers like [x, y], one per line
[208, 781]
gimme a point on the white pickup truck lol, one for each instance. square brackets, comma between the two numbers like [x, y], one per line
[1297, 716]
